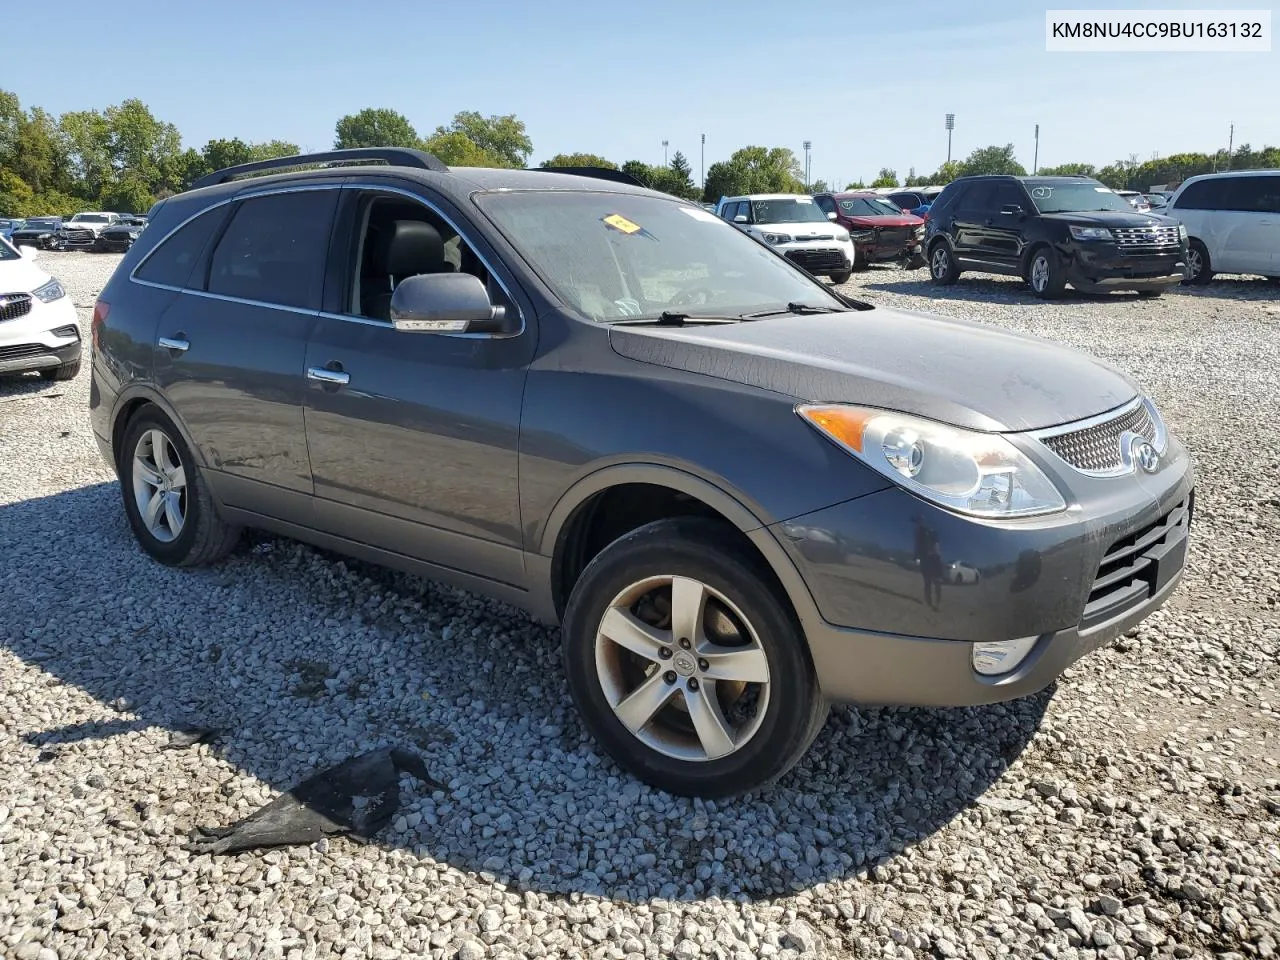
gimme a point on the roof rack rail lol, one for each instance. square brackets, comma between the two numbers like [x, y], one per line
[600, 173]
[392, 156]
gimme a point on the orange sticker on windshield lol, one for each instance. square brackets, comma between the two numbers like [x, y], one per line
[619, 222]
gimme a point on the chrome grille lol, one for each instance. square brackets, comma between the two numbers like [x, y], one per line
[1160, 236]
[14, 305]
[1097, 447]
[78, 236]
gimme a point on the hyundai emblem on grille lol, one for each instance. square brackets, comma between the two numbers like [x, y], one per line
[1145, 455]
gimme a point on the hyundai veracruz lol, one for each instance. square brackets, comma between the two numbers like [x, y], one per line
[742, 495]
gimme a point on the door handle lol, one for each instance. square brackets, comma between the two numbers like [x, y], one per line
[335, 377]
[173, 343]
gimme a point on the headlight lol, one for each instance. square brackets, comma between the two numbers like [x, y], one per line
[1182, 231]
[50, 292]
[842, 235]
[1090, 233]
[919, 231]
[862, 236]
[978, 474]
[776, 237]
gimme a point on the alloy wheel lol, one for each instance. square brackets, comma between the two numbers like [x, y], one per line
[1194, 263]
[159, 486]
[1040, 273]
[682, 668]
[940, 263]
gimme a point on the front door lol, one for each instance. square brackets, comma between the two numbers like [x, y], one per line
[230, 347]
[414, 437]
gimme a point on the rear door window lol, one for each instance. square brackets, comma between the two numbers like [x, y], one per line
[1204, 195]
[273, 250]
[1254, 194]
[171, 262]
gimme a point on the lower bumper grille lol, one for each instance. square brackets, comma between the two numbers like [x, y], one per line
[22, 351]
[1138, 566]
[14, 305]
[818, 261]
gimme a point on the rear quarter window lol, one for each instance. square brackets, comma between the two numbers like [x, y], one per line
[171, 261]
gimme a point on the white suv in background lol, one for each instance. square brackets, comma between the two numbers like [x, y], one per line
[799, 230]
[1233, 222]
[38, 325]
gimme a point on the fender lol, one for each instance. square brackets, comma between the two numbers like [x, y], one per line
[755, 527]
[148, 392]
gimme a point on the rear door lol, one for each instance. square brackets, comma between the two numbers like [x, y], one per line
[1249, 244]
[230, 349]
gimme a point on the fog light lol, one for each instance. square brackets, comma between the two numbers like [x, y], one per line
[67, 331]
[992, 659]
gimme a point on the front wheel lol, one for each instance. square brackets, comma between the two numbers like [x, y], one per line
[1150, 294]
[63, 371]
[839, 278]
[1199, 269]
[687, 665]
[943, 269]
[1044, 274]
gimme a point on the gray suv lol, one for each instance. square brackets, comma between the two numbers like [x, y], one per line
[743, 495]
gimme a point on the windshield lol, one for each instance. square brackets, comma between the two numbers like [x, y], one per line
[869, 207]
[90, 218]
[45, 222]
[788, 210]
[611, 256]
[1075, 197]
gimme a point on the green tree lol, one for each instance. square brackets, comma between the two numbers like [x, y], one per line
[992, 160]
[819, 186]
[10, 117]
[855, 185]
[640, 170]
[579, 160]
[1069, 170]
[886, 178]
[754, 170]
[88, 139]
[375, 127]
[502, 137]
[458, 150]
[129, 193]
[40, 154]
[139, 143]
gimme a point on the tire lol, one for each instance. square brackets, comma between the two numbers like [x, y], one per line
[943, 269]
[743, 609]
[839, 278]
[1045, 275]
[859, 259]
[65, 371]
[1199, 268]
[914, 262]
[1151, 294]
[187, 532]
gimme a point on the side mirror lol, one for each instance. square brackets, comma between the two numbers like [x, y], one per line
[831, 215]
[445, 303]
[1011, 210]
[740, 218]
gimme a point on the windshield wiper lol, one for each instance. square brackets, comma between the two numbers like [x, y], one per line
[669, 318]
[800, 308]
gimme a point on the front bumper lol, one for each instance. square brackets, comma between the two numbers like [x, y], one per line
[894, 630]
[1104, 267]
[819, 257]
[31, 343]
[112, 244]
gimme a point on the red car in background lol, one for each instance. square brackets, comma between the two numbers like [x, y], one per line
[881, 232]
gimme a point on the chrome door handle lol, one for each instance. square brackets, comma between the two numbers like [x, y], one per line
[338, 377]
[169, 343]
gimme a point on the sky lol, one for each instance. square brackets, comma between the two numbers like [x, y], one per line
[868, 85]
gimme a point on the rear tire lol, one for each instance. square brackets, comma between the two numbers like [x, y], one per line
[1045, 275]
[170, 509]
[1150, 294]
[1199, 268]
[65, 371]
[656, 705]
[943, 269]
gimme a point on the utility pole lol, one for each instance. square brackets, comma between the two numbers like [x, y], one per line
[951, 125]
[704, 161]
[664, 152]
[1035, 163]
[807, 145]
[1231, 139]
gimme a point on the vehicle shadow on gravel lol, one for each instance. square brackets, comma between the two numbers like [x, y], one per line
[302, 659]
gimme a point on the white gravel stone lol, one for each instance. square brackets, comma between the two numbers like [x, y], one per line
[1131, 811]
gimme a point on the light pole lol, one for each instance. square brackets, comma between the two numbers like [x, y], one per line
[704, 161]
[664, 152]
[951, 125]
[1035, 163]
[807, 145]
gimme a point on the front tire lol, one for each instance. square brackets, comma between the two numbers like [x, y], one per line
[64, 371]
[687, 665]
[1199, 268]
[1044, 274]
[166, 499]
[839, 278]
[943, 269]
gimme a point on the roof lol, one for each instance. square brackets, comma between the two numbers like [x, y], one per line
[1259, 172]
[765, 196]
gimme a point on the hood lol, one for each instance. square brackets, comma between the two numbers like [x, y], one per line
[1113, 218]
[965, 374]
[21, 276]
[867, 223]
[84, 225]
[829, 230]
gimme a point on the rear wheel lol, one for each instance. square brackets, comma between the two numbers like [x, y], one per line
[943, 269]
[166, 499]
[839, 278]
[1150, 294]
[1199, 269]
[1044, 274]
[686, 664]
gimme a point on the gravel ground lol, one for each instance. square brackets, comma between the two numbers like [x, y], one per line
[1132, 811]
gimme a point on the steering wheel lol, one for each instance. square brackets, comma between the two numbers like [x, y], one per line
[691, 296]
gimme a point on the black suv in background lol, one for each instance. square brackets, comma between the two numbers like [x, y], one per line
[1052, 231]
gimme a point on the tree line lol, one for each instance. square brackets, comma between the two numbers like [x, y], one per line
[124, 158]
